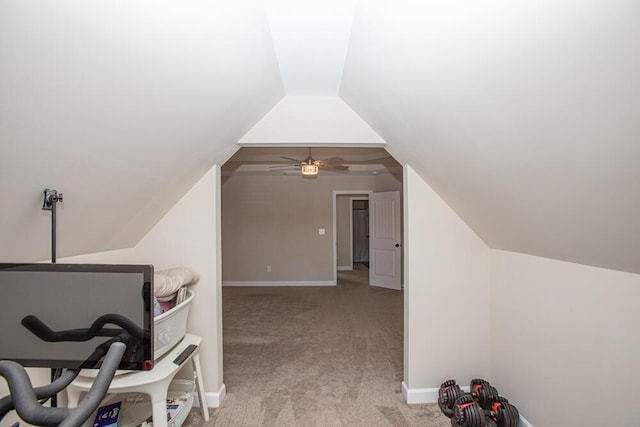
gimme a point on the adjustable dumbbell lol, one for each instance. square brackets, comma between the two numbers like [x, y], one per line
[482, 391]
[503, 413]
[447, 395]
[496, 410]
[450, 391]
[468, 413]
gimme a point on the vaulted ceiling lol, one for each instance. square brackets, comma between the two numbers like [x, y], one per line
[523, 115]
[122, 106]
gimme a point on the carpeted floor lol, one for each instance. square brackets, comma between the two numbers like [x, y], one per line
[315, 356]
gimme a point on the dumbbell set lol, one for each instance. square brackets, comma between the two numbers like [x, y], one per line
[482, 407]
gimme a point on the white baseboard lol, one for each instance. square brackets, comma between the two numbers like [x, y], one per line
[419, 395]
[274, 283]
[524, 422]
[344, 267]
[423, 395]
[430, 395]
[214, 399]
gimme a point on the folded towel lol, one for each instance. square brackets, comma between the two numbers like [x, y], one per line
[157, 310]
[167, 282]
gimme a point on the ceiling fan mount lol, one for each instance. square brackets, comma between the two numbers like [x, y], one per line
[310, 166]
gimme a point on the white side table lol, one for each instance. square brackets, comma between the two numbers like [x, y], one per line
[155, 382]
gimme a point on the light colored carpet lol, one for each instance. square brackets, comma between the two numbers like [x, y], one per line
[315, 356]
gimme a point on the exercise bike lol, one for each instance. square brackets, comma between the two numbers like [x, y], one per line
[28, 401]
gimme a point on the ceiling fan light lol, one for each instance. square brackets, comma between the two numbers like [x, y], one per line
[309, 169]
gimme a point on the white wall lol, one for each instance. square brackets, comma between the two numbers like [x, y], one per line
[447, 324]
[187, 236]
[565, 340]
[119, 256]
[309, 120]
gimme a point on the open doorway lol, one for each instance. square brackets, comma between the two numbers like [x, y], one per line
[368, 234]
[359, 232]
[351, 228]
[277, 250]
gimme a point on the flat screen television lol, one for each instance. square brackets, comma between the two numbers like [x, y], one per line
[47, 312]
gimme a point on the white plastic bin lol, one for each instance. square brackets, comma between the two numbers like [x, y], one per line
[170, 327]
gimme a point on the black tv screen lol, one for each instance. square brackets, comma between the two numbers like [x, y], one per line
[47, 312]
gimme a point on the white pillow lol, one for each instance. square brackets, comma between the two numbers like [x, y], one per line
[167, 282]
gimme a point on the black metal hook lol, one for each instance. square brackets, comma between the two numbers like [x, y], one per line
[51, 197]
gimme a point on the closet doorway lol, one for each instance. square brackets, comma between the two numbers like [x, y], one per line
[359, 231]
[351, 228]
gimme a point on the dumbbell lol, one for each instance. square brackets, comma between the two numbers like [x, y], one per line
[468, 413]
[482, 391]
[447, 395]
[450, 391]
[496, 408]
[503, 413]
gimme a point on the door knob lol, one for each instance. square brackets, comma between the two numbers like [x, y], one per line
[397, 245]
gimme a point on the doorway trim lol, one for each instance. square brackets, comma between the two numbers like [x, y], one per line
[337, 193]
[405, 265]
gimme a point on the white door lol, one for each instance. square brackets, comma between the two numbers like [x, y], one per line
[385, 251]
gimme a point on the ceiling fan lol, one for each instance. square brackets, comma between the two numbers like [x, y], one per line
[310, 166]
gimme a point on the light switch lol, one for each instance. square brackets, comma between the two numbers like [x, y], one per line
[321, 231]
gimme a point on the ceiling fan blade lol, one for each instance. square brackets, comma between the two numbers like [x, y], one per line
[369, 161]
[291, 158]
[333, 160]
[284, 167]
[339, 168]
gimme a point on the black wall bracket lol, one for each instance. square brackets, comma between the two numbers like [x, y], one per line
[51, 197]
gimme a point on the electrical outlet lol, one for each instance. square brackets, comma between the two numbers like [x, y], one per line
[268, 269]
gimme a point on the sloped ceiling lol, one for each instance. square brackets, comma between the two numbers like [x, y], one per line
[311, 38]
[524, 116]
[120, 106]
